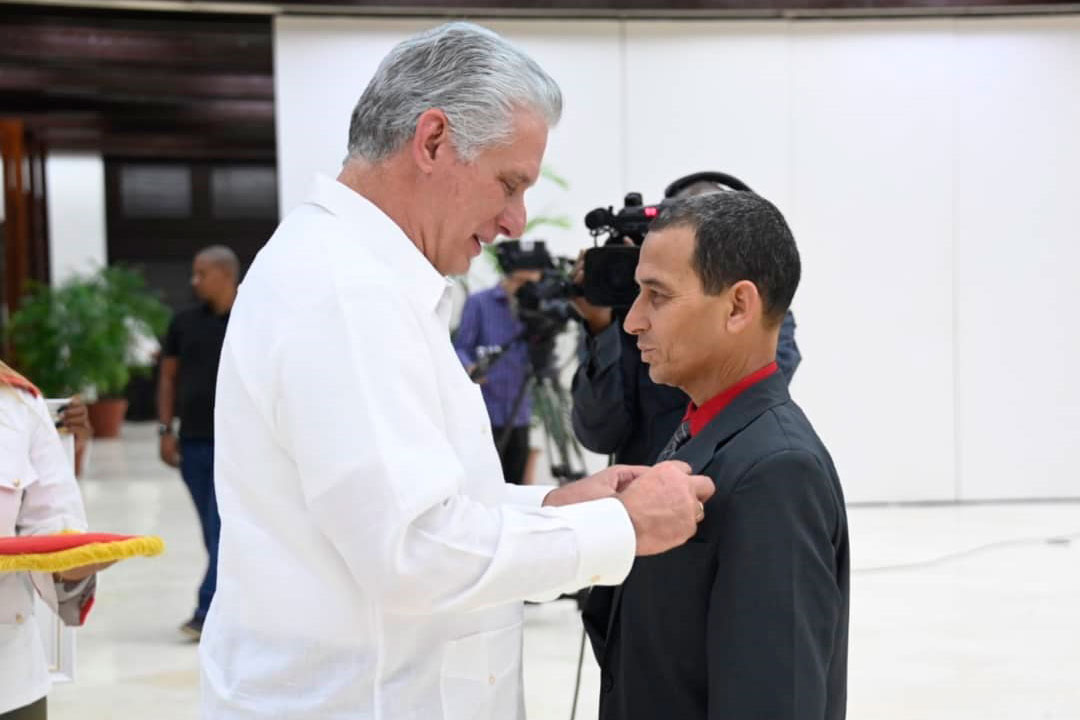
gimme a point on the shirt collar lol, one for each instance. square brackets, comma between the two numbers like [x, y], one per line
[699, 417]
[387, 241]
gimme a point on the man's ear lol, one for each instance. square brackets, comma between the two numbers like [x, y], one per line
[432, 136]
[746, 306]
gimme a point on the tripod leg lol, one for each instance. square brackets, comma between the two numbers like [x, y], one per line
[570, 448]
[500, 443]
[580, 667]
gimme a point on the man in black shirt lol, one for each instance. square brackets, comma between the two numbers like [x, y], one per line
[189, 366]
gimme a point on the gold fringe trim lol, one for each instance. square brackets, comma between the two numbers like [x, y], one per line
[89, 554]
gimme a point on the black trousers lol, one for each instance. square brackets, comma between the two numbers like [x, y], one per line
[515, 454]
[33, 711]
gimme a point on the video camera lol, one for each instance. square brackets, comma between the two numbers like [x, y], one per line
[609, 268]
[542, 306]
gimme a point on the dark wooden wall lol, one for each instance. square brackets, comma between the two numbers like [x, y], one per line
[140, 84]
[649, 8]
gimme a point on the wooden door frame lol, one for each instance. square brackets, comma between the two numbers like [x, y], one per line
[25, 227]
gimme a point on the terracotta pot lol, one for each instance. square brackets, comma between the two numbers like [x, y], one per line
[107, 417]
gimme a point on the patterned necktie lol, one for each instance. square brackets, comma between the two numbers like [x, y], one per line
[682, 434]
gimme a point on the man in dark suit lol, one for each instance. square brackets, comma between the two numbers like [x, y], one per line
[750, 618]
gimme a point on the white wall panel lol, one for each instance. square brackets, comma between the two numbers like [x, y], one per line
[1018, 257]
[871, 173]
[75, 200]
[708, 96]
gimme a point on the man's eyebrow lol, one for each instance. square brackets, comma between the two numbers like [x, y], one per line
[519, 178]
[653, 282]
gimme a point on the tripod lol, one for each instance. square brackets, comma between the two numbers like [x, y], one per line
[550, 401]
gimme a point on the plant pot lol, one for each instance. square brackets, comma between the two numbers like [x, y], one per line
[107, 417]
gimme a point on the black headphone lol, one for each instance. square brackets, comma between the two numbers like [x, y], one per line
[728, 181]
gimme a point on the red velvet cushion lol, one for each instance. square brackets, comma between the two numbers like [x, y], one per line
[36, 544]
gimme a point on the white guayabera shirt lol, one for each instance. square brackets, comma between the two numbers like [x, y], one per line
[38, 496]
[372, 560]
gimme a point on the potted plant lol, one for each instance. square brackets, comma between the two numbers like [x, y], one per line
[80, 338]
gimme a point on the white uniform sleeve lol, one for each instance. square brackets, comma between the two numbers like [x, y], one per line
[358, 409]
[53, 502]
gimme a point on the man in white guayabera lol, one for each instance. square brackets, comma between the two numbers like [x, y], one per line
[373, 563]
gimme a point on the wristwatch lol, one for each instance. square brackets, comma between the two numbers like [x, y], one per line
[164, 429]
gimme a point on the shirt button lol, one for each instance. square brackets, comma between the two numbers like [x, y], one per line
[491, 679]
[16, 483]
[19, 619]
[594, 579]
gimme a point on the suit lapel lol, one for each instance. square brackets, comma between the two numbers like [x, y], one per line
[743, 410]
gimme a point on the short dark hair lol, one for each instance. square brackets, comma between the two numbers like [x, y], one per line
[739, 236]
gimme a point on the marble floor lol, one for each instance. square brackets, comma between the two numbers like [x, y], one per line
[958, 612]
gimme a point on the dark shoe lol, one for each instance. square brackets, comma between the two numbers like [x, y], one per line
[192, 629]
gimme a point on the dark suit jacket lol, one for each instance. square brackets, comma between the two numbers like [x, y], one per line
[750, 618]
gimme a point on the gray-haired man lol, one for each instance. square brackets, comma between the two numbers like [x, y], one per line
[372, 560]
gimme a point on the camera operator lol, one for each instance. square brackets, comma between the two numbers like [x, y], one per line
[489, 321]
[617, 409]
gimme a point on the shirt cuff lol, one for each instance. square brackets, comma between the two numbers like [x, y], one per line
[527, 495]
[71, 601]
[46, 588]
[606, 539]
[76, 599]
[66, 591]
[605, 347]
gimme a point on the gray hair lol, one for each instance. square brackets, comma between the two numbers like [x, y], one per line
[472, 74]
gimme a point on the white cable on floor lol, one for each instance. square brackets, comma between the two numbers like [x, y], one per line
[998, 545]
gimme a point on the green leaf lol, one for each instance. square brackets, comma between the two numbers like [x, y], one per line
[547, 173]
[559, 221]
